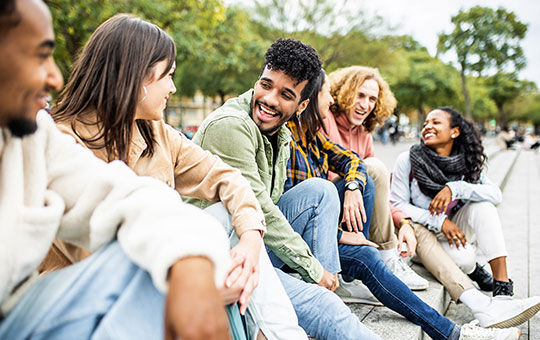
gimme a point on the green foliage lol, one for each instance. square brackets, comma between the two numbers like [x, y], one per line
[427, 83]
[221, 48]
[484, 39]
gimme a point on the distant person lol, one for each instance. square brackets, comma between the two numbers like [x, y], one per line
[441, 184]
[157, 262]
[506, 138]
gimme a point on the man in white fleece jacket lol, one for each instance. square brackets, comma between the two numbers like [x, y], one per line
[160, 267]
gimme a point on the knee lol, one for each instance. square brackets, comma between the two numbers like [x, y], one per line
[376, 169]
[324, 189]
[484, 208]
[464, 257]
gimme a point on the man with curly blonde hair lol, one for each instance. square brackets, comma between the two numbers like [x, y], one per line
[363, 100]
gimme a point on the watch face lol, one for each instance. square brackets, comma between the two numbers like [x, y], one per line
[352, 186]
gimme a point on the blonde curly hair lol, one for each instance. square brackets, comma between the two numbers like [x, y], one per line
[344, 86]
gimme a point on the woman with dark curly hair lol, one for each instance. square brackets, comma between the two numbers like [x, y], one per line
[441, 183]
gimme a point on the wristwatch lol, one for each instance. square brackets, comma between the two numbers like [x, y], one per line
[353, 185]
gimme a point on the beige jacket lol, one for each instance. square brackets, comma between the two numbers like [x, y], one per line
[182, 165]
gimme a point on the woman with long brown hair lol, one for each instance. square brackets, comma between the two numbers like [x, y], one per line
[113, 103]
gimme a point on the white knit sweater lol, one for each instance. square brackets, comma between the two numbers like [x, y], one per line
[50, 186]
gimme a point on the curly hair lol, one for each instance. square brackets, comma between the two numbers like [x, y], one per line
[344, 86]
[9, 16]
[297, 60]
[467, 143]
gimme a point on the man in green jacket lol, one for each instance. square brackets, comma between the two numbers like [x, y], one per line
[248, 133]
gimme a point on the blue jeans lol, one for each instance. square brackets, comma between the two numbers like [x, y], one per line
[365, 263]
[312, 209]
[105, 296]
[368, 197]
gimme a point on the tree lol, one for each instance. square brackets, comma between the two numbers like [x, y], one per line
[503, 88]
[484, 39]
[428, 82]
[232, 60]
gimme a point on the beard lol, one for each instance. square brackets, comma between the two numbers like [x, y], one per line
[22, 126]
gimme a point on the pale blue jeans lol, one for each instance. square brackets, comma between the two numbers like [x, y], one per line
[312, 208]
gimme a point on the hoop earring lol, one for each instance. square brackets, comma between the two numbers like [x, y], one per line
[145, 94]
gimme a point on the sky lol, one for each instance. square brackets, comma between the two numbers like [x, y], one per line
[425, 19]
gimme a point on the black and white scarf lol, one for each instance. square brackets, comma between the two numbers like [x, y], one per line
[433, 171]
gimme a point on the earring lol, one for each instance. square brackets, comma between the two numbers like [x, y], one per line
[453, 136]
[145, 93]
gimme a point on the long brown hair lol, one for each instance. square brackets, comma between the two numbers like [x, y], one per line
[107, 78]
[311, 117]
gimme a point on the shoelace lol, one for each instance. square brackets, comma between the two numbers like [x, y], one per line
[397, 264]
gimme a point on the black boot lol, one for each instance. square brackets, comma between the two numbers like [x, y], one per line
[483, 278]
[503, 288]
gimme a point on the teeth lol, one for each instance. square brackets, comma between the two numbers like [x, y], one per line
[430, 134]
[359, 112]
[267, 112]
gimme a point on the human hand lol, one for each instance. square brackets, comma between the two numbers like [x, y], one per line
[329, 281]
[354, 213]
[356, 239]
[440, 202]
[453, 234]
[193, 308]
[243, 276]
[406, 234]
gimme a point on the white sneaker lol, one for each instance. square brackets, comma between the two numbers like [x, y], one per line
[406, 274]
[505, 311]
[356, 292]
[471, 331]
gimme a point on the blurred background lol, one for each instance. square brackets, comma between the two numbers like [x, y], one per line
[481, 57]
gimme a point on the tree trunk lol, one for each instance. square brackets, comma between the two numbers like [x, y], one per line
[421, 114]
[221, 96]
[468, 111]
[503, 120]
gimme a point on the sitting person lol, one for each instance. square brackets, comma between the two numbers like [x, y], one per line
[157, 262]
[362, 99]
[357, 90]
[128, 125]
[313, 153]
[249, 133]
[441, 184]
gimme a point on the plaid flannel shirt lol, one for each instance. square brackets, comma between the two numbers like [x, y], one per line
[320, 156]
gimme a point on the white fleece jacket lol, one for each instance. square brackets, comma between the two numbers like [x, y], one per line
[50, 186]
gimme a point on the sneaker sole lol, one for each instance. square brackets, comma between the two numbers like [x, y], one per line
[518, 319]
[419, 288]
[363, 301]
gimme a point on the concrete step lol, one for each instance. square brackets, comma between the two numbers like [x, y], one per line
[519, 217]
[500, 164]
[391, 325]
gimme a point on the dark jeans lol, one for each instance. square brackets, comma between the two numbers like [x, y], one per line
[365, 263]
[368, 196]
